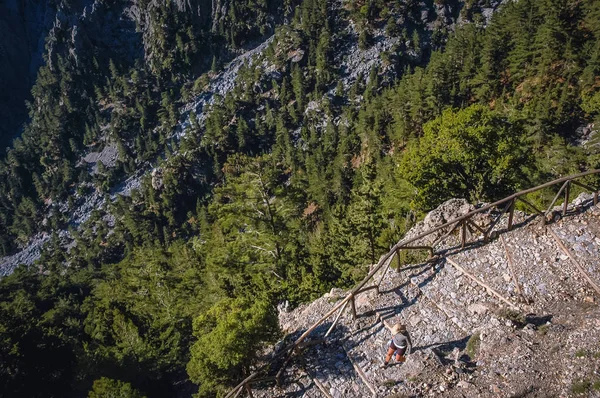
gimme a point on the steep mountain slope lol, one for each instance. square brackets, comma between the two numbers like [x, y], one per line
[23, 27]
[87, 203]
[466, 341]
[113, 33]
[189, 166]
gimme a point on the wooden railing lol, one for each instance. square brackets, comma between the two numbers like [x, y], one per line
[464, 222]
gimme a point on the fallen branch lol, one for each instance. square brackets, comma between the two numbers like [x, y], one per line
[511, 266]
[485, 285]
[360, 372]
[579, 267]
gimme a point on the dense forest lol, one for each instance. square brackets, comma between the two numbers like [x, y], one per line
[292, 183]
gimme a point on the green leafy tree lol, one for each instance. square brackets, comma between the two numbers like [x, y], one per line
[473, 153]
[252, 241]
[365, 218]
[229, 336]
[109, 388]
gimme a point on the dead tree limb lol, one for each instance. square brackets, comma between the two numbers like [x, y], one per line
[360, 372]
[562, 188]
[574, 260]
[485, 285]
[511, 267]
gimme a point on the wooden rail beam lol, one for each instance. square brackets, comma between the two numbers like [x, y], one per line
[337, 318]
[556, 198]
[497, 220]
[566, 204]
[447, 234]
[239, 392]
[387, 267]
[240, 387]
[280, 371]
[477, 227]
[485, 285]
[248, 390]
[574, 260]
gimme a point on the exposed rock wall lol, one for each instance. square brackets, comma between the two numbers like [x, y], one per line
[23, 27]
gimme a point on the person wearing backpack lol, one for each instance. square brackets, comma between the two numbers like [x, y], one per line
[399, 345]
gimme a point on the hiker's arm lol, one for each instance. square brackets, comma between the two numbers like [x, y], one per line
[409, 348]
[387, 325]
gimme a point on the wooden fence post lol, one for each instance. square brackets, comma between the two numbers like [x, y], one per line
[353, 307]
[511, 213]
[463, 237]
[566, 204]
[387, 267]
[337, 318]
[248, 390]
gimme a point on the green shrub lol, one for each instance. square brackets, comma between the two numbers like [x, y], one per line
[580, 387]
[581, 353]
[109, 388]
[514, 316]
[473, 345]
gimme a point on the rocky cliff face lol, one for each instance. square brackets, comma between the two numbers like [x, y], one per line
[28, 33]
[23, 27]
[33, 32]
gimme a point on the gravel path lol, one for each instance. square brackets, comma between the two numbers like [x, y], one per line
[443, 309]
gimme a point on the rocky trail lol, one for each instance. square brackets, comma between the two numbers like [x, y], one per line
[540, 338]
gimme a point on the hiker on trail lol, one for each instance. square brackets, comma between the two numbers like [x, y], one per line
[399, 345]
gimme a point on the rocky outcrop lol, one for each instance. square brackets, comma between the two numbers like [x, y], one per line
[467, 342]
